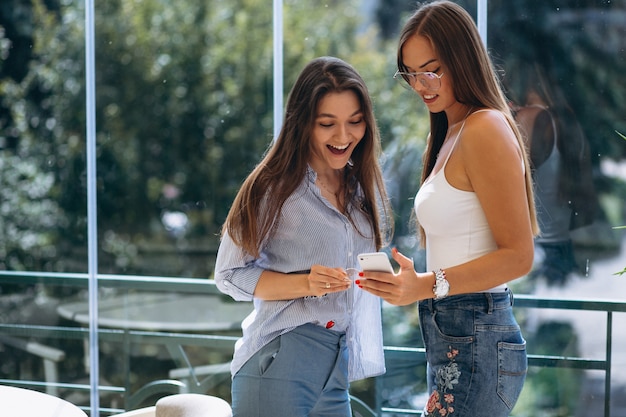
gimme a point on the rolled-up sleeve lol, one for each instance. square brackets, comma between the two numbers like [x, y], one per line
[236, 273]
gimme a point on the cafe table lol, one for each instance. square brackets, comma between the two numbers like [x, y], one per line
[159, 311]
[176, 313]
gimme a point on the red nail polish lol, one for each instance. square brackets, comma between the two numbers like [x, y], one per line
[361, 274]
[360, 286]
[357, 282]
[330, 324]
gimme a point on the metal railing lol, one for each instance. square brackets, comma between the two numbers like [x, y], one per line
[543, 361]
[189, 378]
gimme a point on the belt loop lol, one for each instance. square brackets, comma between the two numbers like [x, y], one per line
[489, 298]
[511, 298]
[430, 305]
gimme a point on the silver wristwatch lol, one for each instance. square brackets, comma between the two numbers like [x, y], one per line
[442, 286]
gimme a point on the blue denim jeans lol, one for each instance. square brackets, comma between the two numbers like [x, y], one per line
[303, 373]
[476, 355]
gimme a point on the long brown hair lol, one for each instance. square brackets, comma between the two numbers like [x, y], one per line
[259, 202]
[455, 38]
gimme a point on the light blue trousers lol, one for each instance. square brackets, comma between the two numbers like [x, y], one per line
[303, 373]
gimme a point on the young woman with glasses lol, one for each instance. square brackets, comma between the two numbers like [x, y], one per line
[476, 218]
[314, 202]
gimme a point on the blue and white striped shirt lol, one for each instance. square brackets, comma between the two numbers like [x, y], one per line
[309, 231]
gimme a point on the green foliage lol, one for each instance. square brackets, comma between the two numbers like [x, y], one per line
[184, 105]
[27, 235]
[183, 109]
[30, 214]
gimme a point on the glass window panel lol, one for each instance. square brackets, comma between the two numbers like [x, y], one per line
[42, 226]
[154, 340]
[562, 65]
[184, 112]
[42, 213]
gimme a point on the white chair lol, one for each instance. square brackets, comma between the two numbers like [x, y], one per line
[192, 405]
[49, 355]
[20, 402]
[184, 405]
[140, 412]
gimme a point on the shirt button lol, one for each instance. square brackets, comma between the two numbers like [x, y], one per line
[330, 324]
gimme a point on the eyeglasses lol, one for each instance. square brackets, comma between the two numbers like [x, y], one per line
[429, 80]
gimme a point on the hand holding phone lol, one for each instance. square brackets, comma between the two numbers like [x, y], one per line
[375, 262]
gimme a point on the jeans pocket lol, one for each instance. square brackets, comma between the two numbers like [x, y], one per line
[512, 368]
[268, 354]
[454, 326]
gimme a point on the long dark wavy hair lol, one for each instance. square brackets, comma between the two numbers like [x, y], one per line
[259, 202]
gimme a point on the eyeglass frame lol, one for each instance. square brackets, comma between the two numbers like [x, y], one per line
[416, 74]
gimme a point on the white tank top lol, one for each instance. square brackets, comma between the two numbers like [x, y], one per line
[454, 222]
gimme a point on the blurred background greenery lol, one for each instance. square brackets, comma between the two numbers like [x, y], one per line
[184, 111]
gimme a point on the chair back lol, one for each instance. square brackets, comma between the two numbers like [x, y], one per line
[192, 405]
[140, 412]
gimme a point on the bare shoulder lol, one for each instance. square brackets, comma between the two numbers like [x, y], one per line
[488, 120]
[486, 150]
[491, 152]
[488, 130]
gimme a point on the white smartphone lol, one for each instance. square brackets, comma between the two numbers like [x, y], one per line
[376, 262]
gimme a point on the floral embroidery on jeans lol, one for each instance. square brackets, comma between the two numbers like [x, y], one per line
[441, 401]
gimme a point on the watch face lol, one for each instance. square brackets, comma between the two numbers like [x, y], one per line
[442, 288]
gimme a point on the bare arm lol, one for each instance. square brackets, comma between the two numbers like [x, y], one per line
[278, 286]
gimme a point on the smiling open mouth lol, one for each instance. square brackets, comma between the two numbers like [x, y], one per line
[338, 150]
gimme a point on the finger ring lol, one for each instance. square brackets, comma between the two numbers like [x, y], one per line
[328, 285]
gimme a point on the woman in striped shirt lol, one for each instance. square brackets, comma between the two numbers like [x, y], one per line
[291, 239]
